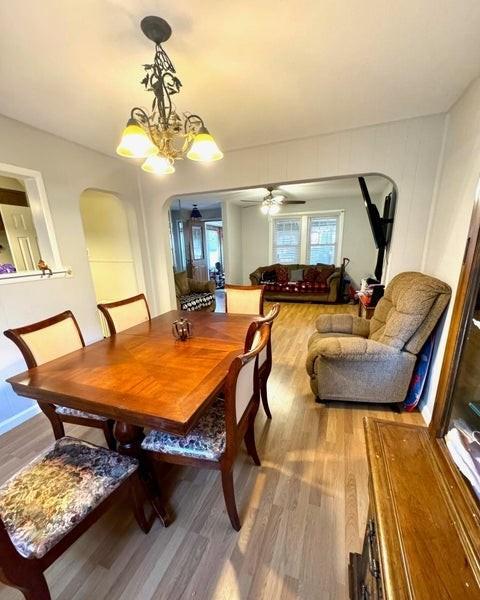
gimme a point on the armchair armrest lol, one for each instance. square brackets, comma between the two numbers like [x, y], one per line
[255, 277]
[201, 286]
[343, 323]
[354, 348]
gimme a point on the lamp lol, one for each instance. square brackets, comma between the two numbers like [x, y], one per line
[135, 143]
[195, 214]
[163, 131]
[204, 147]
[158, 165]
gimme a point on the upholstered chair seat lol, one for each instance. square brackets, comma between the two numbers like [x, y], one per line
[79, 414]
[40, 504]
[205, 441]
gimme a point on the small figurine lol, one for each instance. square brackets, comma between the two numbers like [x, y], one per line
[44, 268]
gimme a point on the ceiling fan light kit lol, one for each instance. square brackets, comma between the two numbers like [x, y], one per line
[272, 202]
[163, 136]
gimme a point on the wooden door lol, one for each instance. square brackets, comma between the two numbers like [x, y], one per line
[21, 236]
[197, 266]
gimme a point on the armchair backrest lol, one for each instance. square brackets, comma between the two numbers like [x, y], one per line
[48, 339]
[126, 313]
[408, 312]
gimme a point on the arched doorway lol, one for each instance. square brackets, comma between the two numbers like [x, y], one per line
[109, 247]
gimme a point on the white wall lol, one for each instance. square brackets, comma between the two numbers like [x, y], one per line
[67, 169]
[109, 248]
[357, 240]
[232, 243]
[407, 151]
[452, 209]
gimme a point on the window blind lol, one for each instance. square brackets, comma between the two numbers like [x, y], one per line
[322, 239]
[286, 240]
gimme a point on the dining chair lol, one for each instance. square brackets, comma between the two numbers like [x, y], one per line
[265, 356]
[50, 503]
[214, 441]
[244, 299]
[124, 314]
[45, 341]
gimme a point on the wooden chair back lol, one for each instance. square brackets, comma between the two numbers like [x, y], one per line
[244, 299]
[124, 314]
[47, 339]
[242, 389]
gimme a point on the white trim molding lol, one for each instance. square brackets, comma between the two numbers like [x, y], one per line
[19, 418]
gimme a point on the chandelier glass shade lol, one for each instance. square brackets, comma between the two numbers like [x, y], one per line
[163, 136]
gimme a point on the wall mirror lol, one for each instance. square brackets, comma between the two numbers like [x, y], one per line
[26, 229]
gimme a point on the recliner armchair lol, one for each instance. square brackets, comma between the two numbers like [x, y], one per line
[352, 359]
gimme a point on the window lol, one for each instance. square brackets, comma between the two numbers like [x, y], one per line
[307, 238]
[322, 240]
[286, 240]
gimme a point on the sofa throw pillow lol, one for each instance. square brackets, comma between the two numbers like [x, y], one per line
[282, 274]
[310, 275]
[296, 275]
[324, 273]
[181, 283]
[269, 277]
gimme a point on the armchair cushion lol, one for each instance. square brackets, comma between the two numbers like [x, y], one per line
[201, 286]
[45, 500]
[343, 323]
[206, 440]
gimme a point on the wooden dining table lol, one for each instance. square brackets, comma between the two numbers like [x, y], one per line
[143, 377]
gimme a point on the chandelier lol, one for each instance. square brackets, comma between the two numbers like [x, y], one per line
[163, 136]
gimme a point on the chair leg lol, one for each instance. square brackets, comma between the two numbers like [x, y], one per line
[229, 495]
[250, 442]
[263, 392]
[37, 588]
[108, 432]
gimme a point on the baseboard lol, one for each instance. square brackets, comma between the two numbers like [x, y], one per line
[19, 418]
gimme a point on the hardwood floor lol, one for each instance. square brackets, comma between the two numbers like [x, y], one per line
[302, 511]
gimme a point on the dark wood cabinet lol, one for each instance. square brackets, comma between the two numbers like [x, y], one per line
[416, 545]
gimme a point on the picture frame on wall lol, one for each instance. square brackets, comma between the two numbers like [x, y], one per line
[197, 242]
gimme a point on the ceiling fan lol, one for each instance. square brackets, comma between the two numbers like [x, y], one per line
[273, 201]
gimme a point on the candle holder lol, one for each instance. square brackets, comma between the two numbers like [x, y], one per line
[182, 329]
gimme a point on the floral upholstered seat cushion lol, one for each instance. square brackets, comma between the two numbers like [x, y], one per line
[47, 498]
[72, 412]
[206, 440]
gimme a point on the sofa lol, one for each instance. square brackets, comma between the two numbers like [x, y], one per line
[194, 295]
[299, 283]
[358, 360]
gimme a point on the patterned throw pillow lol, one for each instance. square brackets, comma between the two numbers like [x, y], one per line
[282, 274]
[324, 273]
[310, 275]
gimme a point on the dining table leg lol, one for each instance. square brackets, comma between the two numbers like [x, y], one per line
[129, 439]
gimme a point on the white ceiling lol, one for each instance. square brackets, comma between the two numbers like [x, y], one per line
[346, 187]
[256, 71]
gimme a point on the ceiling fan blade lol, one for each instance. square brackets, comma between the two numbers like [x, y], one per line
[252, 201]
[293, 202]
